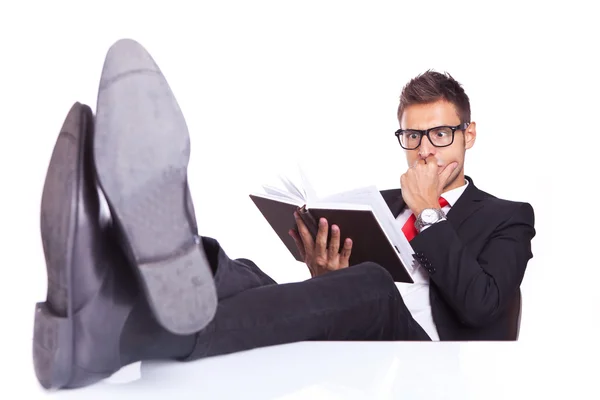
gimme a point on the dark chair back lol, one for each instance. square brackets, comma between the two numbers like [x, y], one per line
[515, 317]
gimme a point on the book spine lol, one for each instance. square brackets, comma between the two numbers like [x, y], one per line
[309, 220]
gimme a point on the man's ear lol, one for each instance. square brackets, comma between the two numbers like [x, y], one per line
[470, 135]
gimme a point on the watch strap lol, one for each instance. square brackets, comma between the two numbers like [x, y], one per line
[420, 224]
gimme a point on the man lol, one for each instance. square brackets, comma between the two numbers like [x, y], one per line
[145, 285]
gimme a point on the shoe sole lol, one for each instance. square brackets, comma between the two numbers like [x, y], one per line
[141, 152]
[53, 349]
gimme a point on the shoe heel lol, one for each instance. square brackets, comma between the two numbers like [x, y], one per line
[180, 291]
[52, 348]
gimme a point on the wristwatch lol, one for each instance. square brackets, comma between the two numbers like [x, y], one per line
[429, 216]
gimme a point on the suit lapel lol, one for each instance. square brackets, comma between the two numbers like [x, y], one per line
[394, 200]
[468, 203]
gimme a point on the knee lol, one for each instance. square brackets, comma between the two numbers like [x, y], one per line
[375, 276]
[247, 262]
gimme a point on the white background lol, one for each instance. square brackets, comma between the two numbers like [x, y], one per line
[264, 84]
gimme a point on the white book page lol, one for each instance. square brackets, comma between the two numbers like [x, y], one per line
[359, 196]
[283, 194]
[281, 199]
[309, 191]
[292, 188]
[338, 206]
[299, 193]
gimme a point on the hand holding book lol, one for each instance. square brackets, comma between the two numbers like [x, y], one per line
[320, 252]
[361, 214]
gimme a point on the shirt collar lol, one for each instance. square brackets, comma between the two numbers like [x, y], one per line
[453, 195]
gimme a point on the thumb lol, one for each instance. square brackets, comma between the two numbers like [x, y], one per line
[446, 172]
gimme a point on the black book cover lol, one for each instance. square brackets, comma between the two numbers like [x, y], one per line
[369, 241]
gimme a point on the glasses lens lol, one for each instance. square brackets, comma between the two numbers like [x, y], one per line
[441, 136]
[410, 139]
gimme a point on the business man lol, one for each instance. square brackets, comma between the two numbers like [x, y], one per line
[141, 283]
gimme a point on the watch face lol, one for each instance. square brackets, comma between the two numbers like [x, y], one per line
[429, 216]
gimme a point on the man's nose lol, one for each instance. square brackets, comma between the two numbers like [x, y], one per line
[426, 149]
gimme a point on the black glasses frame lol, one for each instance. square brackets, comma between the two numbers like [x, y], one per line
[426, 132]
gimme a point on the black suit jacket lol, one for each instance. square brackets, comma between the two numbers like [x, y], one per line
[476, 261]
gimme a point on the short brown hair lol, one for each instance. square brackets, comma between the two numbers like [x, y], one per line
[432, 86]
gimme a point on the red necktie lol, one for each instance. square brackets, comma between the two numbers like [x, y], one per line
[409, 227]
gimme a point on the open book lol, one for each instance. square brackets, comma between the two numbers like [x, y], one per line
[361, 214]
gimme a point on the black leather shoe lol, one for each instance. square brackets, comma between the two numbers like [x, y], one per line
[91, 289]
[141, 152]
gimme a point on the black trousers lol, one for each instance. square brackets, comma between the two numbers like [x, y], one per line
[359, 303]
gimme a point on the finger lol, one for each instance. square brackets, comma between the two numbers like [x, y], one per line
[321, 243]
[299, 243]
[305, 236]
[432, 163]
[422, 164]
[334, 243]
[446, 172]
[345, 253]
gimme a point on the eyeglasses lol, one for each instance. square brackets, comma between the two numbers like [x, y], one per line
[440, 136]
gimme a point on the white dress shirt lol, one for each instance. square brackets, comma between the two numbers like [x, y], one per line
[416, 295]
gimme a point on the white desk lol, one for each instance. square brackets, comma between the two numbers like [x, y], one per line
[358, 371]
